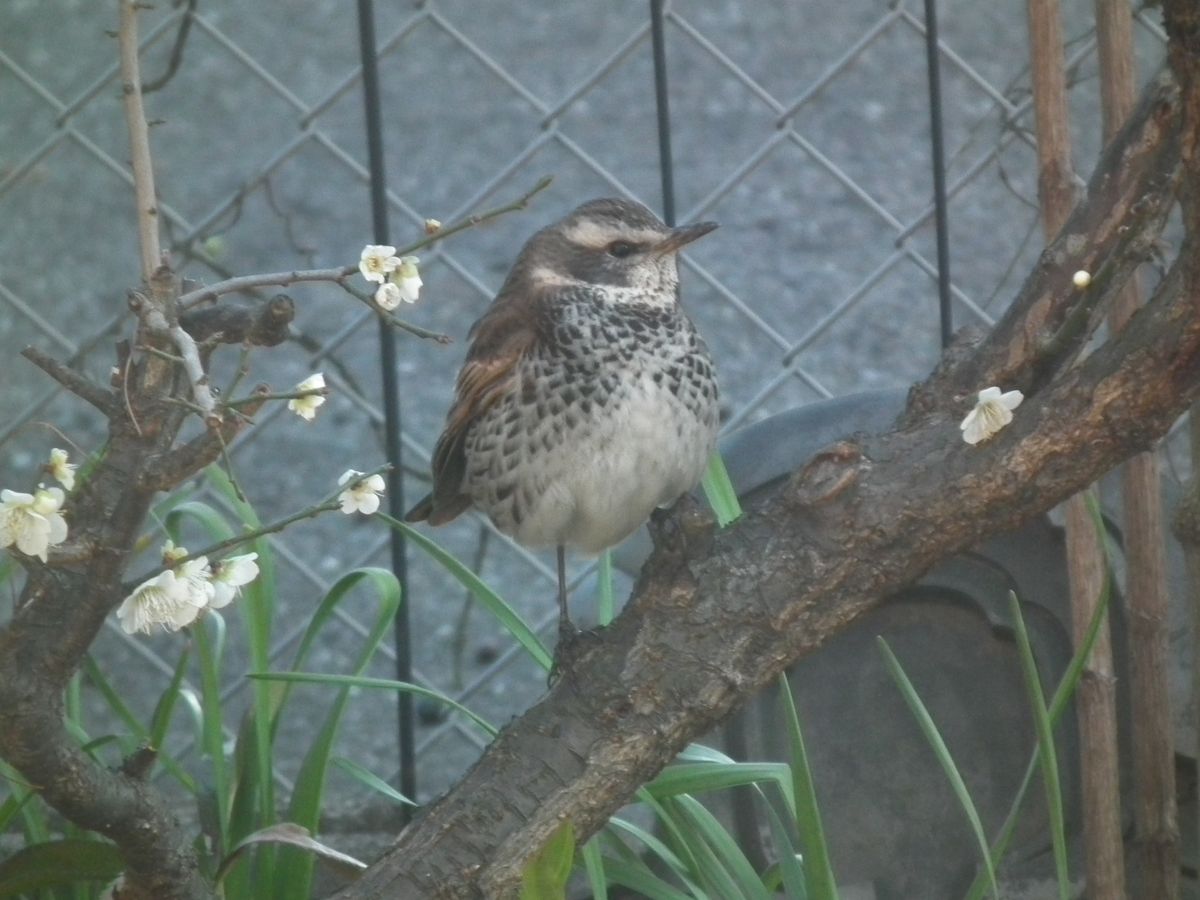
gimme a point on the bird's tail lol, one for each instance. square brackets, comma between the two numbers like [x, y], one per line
[422, 510]
[438, 514]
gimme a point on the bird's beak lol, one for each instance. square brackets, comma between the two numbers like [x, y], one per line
[683, 235]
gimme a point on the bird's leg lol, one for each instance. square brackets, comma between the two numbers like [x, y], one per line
[568, 634]
[566, 630]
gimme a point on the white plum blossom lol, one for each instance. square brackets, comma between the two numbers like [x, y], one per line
[407, 278]
[306, 407]
[229, 575]
[172, 554]
[362, 497]
[993, 410]
[1082, 278]
[432, 226]
[402, 286]
[377, 261]
[388, 296]
[176, 597]
[32, 521]
[61, 470]
[165, 600]
[197, 576]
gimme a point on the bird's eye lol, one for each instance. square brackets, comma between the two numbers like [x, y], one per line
[620, 249]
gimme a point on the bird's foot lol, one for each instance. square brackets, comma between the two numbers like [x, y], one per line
[571, 647]
[681, 526]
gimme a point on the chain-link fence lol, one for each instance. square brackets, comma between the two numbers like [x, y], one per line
[801, 127]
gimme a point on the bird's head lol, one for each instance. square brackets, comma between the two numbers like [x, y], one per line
[610, 243]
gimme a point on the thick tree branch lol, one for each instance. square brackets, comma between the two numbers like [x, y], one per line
[1111, 232]
[715, 617]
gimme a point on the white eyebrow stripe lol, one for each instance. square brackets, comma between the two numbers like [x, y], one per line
[543, 275]
[595, 234]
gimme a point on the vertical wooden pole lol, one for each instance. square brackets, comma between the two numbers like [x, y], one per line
[1096, 695]
[1156, 836]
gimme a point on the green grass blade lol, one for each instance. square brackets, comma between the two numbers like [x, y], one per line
[819, 879]
[137, 728]
[257, 610]
[164, 709]
[370, 779]
[641, 880]
[692, 778]
[385, 684]
[726, 869]
[720, 493]
[605, 606]
[296, 867]
[488, 598]
[688, 866]
[58, 863]
[545, 878]
[593, 864]
[942, 752]
[650, 841]
[22, 800]
[1058, 703]
[788, 864]
[1046, 753]
[209, 635]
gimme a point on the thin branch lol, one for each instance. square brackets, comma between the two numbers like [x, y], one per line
[171, 468]
[139, 139]
[416, 330]
[328, 504]
[77, 384]
[155, 321]
[339, 275]
[176, 58]
[471, 221]
[271, 279]
[196, 374]
[283, 395]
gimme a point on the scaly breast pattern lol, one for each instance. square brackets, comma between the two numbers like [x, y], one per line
[614, 414]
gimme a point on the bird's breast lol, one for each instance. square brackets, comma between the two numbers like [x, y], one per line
[605, 423]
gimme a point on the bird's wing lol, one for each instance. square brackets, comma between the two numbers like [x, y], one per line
[499, 340]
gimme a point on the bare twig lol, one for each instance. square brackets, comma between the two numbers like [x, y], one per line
[1155, 817]
[415, 330]
[284, 395]
[471, 221]
[328, 504]
[139, 140]
[1103, 848]
[196, 374]
[73, 381]
[154, 320]
[176, 58]
[271, 279]
[339, 275]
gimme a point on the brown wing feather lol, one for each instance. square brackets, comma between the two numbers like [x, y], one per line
[498, 341]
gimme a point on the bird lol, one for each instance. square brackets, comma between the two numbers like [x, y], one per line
[587, 398]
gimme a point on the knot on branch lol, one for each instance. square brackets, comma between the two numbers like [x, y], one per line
[139, 763]
[263, 325]
[827, 475]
